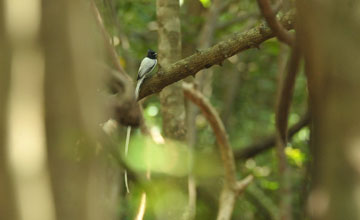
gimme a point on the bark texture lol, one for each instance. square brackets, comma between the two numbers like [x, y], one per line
[171, 97]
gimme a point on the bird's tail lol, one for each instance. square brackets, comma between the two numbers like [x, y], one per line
[126, 152]
[137, 89]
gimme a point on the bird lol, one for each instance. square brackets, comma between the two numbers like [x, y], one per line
[146, 67]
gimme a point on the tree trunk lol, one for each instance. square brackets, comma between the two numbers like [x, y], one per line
[205, 40]
[171, 97]
[83, 182]
[7, 201]
[329, 33]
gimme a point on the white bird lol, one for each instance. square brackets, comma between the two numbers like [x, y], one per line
[147, 65]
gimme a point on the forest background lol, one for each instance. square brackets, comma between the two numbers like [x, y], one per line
[251, 112]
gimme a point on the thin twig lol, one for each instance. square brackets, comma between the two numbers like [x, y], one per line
[108, 45]
[241, 185]
[270, 17]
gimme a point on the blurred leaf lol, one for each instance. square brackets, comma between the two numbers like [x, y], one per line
[271, 185]
[295, 156]
[170, 158]
[205, 3]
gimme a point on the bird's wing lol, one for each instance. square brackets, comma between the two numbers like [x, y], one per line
[146, 66]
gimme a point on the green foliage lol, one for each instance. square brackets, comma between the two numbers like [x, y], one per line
[205, 3]
[250, 114]
[295, 156]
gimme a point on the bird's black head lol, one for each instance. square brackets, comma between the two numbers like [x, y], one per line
[151, 54]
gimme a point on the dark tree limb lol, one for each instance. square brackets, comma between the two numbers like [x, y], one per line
[285, 95]
[283, 105]
[280, 32]
[284, 98]
[268, 143]
[211, 56]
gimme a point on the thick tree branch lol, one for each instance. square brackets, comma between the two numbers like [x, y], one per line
[232, 188]
[211, 56]
[219, 130]
[270, 17]
[266, 144]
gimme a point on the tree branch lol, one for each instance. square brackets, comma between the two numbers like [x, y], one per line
[284, 98]
[228, 198]
[211, 56]
[278, 29]
[232, 188]
[285, 95]
[241, 185]
[219, 130]
[257, 148]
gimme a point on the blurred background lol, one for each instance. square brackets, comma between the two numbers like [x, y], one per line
[68, 73]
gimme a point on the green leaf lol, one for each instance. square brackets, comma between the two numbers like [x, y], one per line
[206, 3]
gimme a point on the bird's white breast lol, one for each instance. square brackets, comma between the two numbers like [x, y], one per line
[146, 66]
